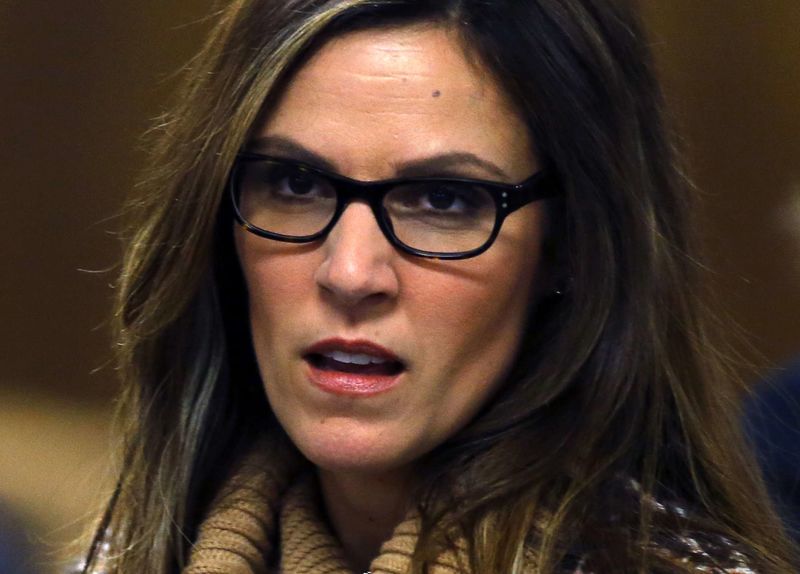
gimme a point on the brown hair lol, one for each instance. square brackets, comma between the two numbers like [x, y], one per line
[618, 397]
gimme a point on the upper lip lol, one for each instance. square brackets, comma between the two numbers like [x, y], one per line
[361, 346]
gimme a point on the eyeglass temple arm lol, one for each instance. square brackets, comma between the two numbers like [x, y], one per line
[541, 185]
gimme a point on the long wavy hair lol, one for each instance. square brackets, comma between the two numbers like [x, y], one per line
[617, 388]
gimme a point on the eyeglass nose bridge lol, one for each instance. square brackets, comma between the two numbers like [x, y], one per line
[372, 193]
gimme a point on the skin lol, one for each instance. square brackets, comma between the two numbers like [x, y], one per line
[372, 104]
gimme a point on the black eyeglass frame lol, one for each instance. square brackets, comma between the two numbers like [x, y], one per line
[507, 198]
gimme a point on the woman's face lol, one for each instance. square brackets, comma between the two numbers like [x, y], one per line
[374, 105]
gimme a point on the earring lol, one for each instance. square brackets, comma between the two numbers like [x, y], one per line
[562, 288]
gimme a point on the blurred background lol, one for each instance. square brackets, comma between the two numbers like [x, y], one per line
[81, 81]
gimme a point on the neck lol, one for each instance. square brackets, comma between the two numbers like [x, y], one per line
[363, 510]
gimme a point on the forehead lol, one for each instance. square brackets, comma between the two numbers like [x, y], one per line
[375, 97]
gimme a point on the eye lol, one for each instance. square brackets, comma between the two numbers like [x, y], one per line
[420, 209]
[294, 181]
[285, 182]
[299, 183]
[439, 199]
[444, 198]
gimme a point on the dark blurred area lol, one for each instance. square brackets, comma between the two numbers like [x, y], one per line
[16, 552]
[772, 422]
[81, 82]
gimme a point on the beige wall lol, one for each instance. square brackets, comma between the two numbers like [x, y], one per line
[732, 74]
[81, 81]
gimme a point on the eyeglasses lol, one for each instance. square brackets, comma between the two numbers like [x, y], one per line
[435, 217]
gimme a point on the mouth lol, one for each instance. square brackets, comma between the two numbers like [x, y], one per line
[361, 363]
[353, 367]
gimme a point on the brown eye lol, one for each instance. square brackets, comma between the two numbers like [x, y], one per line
[300, 183]
[442, 198]
[294, 183]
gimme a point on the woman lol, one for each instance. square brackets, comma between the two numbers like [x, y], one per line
[445, 245]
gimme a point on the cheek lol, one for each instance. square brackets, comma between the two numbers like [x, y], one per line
[474, 317]
[468, 331]
[495, 289]
[276, 284]
[475, 314]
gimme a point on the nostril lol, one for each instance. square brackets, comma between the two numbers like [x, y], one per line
[358, 262]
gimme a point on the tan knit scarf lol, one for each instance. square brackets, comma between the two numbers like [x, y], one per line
[267, 519]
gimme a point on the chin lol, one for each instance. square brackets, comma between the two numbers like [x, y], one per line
[341, 446]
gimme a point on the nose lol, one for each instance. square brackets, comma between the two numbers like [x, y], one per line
[358, 264]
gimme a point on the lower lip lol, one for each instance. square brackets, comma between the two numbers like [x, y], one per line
[351, 384]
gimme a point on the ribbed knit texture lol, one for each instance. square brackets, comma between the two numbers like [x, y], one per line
[307, 544]
[267, 519]
[265, 501]
[239, 534]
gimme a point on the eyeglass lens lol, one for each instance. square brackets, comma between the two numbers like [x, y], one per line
[434, 216]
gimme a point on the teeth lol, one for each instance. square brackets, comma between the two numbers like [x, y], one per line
[354, 358]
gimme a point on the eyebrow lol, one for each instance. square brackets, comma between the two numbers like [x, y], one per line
[289, 148]
[444, 164]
